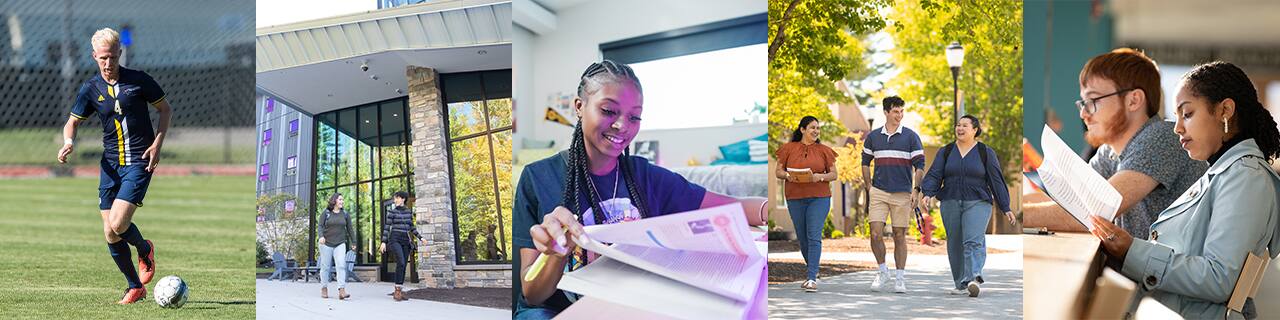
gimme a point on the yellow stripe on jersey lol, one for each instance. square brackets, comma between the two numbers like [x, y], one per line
[158, 100]
[120, 141]
[111, 90]
[73, 114]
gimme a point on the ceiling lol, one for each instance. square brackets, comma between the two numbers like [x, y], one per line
[315, 65]
[556, 6]
[1250, 23]
[327, 86]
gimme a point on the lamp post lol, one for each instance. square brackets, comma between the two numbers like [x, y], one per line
[955, 58]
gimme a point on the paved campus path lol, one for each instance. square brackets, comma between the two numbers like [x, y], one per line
[300, 300]
[928, 277]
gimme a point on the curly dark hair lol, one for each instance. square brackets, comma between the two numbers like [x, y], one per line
[892, 101]
[1218, 81]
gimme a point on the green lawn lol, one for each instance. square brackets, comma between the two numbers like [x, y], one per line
[55, 261]
[39, 146]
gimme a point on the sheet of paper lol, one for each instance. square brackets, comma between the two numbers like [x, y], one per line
[708, 248]
[590, 307]
[729, 275]
[1073, 183]
[616, 282]
[721, 229]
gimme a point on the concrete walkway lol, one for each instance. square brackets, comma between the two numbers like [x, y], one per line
[300, 300]
[928, 277]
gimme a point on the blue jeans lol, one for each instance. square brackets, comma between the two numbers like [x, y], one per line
[808, 215]
[329, 256]
[966, 223]
[534, 313]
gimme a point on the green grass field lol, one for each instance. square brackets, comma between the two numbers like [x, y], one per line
[55, 263]
[39, 146]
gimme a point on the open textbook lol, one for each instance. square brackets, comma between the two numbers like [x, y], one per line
[801, 174]
[1072, 183]
[700, 264]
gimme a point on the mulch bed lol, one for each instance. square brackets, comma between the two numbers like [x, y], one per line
[854, 244]
[497, 298]
[791, 270]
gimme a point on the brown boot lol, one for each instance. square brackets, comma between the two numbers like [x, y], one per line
[398, 295]
[342, 294]
[324, 292]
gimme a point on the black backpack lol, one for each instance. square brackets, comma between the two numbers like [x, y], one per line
[982, 152]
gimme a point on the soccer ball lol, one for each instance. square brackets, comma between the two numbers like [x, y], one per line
[171, 292]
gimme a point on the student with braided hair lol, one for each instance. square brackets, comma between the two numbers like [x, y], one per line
[595, 181]
[1193, 257]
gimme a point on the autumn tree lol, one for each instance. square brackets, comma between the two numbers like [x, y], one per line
[477, 130]
[812, 44]
[990, 78]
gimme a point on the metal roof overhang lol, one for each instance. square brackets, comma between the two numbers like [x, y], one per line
[315, 66]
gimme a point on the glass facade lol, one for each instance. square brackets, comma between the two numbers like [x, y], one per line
[362, 153]
[478, 117]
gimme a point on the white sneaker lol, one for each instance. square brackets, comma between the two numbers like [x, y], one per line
[973, 289]
[810, 286]
[881, 279]
[957, 292]
[899, 285]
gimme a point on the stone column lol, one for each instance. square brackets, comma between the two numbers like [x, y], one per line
[432, 208]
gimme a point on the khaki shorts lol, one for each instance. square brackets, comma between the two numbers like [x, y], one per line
[896, 205]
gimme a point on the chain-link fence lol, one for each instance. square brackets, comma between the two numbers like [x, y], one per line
[200, 52]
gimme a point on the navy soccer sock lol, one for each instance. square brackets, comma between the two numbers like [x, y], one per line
[123, 258]
[134, 237]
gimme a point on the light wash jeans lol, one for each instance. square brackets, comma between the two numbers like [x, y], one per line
[808, 215]
[329, 256]
[966, 223]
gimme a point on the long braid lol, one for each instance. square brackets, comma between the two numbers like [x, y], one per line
[637, 197]
[1218, 81]
[576, 179]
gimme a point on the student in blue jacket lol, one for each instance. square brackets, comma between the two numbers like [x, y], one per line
[1191, 260]
[967, 177]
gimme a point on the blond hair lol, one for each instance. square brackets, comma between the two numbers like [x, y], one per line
[106, 36]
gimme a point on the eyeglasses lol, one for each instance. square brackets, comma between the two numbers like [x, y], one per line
[1090, 105]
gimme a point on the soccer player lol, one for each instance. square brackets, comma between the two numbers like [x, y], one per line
[131, 150]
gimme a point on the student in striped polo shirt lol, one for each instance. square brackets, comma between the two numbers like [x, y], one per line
[899, 159]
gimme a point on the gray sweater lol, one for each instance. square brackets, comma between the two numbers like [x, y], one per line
[336, 228]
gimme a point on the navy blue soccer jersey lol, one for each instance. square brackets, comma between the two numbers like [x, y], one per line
[122, 107]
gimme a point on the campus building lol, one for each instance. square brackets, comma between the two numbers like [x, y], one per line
[410, 97]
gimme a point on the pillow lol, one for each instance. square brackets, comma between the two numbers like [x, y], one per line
[741, 151]
[758, 150]
[527, 143]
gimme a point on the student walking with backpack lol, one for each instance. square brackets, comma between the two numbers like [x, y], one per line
[967, 184]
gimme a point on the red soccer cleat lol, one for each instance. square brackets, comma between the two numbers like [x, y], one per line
[147, 265]
[132, 295]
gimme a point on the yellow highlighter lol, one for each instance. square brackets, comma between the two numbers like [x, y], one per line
[536, 268]
[541, 262]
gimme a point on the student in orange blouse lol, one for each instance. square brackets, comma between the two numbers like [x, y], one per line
[808, 195]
